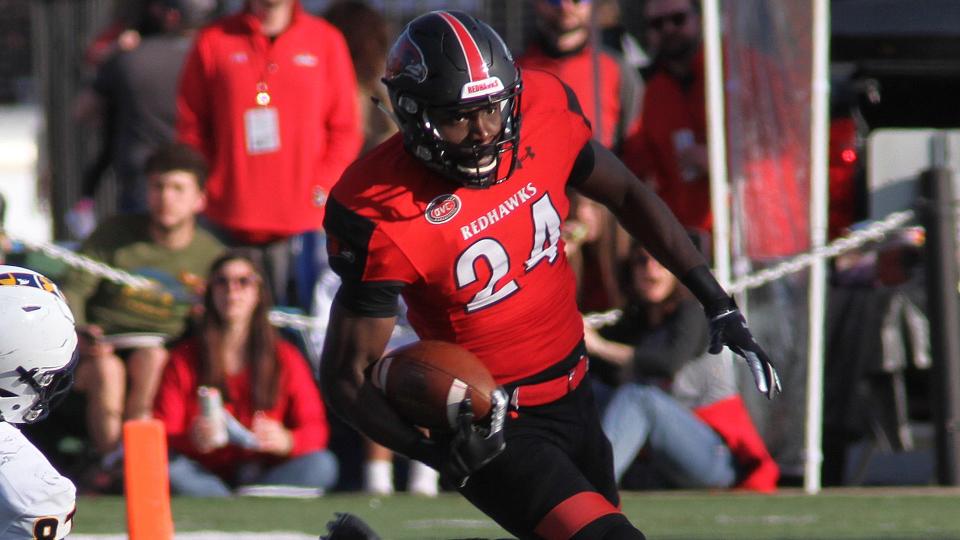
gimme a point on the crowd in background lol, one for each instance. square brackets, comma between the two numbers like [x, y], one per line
[225, 137]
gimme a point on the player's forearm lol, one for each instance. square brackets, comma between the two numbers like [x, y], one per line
[366, 410]
[647, 218]
[377, 420]
[641, 212]
[352, 344]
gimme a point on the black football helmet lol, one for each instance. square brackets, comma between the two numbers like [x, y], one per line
[450, 60]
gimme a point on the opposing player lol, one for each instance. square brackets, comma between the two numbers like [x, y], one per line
[461, 213]
[37, 355]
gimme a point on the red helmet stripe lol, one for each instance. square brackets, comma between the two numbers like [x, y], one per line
[471, 52]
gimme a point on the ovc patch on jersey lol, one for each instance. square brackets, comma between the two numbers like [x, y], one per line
[443, 208]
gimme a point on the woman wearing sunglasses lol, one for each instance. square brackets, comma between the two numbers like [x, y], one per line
[272, 413]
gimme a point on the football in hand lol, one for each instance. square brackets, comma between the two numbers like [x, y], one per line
[426, 381]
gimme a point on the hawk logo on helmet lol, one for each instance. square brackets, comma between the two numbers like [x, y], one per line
[406, 60]
[442, 209]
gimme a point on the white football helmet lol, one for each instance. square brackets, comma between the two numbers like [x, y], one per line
[38, 345]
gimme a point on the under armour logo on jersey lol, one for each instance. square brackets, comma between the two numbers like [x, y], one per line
[527, 154]
[442, 209]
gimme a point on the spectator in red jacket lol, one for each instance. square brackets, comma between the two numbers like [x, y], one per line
[269, 96]
[671, 148]
[272, 413]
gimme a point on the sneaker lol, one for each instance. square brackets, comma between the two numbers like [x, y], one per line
[424, 480]
[378, 477]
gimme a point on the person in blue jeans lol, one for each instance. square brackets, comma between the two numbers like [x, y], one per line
[271, 428]
[676, 409]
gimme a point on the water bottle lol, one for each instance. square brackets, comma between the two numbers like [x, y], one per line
[211, 407]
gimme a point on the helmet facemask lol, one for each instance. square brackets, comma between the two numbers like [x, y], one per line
[472, 164]
[49, 387]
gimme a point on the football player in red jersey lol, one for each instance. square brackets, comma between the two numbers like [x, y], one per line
[460, 213]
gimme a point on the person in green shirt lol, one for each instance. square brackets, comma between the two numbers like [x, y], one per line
[123, 329]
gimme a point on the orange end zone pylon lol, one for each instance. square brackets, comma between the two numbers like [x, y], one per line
[146, 481]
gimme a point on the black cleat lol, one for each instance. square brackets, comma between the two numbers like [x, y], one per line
[347, 526]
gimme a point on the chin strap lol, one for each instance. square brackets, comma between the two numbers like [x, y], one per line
[390, 114]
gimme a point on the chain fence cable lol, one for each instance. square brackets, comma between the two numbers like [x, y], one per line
[874, 232]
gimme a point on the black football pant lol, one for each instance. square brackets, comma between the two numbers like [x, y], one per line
[555, 478]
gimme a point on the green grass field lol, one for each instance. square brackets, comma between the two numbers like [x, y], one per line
[909, 513]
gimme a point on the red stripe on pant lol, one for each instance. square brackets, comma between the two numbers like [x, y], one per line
[573, 514]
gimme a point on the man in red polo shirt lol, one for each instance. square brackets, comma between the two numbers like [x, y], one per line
[268, 95]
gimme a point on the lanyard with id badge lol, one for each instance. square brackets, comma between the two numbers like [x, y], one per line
[262, 124]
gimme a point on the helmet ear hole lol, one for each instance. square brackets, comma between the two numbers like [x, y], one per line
[408, 105]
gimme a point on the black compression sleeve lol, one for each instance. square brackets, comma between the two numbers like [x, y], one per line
[705, 287]
[370, 299]
[583, 166]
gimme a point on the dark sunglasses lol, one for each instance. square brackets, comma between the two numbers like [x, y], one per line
[556, 3]
[241, 281]
[677, 19]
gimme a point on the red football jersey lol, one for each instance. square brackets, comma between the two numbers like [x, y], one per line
[484, 268]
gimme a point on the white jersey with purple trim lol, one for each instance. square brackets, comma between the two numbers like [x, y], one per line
[36, 502]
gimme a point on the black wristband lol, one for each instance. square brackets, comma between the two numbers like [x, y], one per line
[708, 291]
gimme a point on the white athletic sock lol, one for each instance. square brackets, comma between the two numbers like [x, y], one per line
[423, 480]
[378, 477]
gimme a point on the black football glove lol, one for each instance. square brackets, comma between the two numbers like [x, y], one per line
[728, 327]
[471, 446]
[349, 527]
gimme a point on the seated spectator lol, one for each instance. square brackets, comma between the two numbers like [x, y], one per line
[680, 411]
[280, 434]
[123, 329]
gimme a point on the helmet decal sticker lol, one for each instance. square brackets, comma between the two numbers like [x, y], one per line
[442, 209]
[476, 67]
[23, 279]
[406, 60]
[485, 87]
